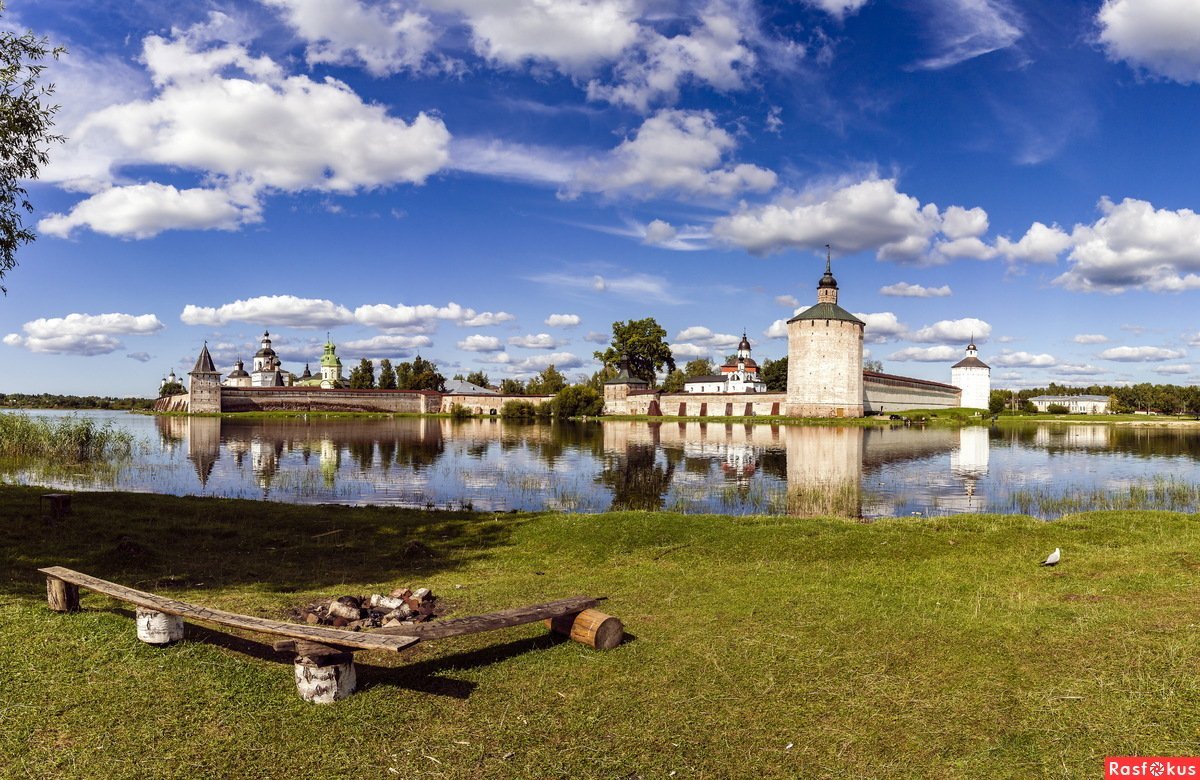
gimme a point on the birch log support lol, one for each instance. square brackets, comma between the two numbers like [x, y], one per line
[158, 628]
[325, 677]
[590, 627]
[62, 596]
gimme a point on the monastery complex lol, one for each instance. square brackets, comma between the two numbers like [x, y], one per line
[825, 379]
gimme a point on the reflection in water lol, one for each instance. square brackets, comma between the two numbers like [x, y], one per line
[490, 464]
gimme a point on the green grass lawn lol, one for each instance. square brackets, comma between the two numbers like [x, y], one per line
[760, 647]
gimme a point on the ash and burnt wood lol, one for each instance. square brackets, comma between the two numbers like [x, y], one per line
[472, 625]
[62, 596]
[317, 634]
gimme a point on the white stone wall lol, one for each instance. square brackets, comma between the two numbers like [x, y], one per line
[882, 396]
[825, 369]
[976, 384]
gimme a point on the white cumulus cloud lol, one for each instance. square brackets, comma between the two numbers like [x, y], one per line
[1173, 370]
[477, 342]
[1135, 246]
[673, 151]
[562, 320]
[881, 327]
[277, 310]
[869, 214]
[906, 290]
[1090, 338]
[532, 341]
[925, 354]
[1141, 354]
[1040, 244]
[384, 39]
[424, 317]
[384, 346]
[953, 331]
[1028, 359]
[1161, 37]
[82, 334]
[245, 128]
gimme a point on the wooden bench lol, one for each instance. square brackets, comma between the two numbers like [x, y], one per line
[324, 662]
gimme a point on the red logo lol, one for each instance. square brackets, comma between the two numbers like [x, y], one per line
[1152, 766]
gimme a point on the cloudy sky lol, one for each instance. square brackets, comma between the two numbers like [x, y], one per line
[491, 183]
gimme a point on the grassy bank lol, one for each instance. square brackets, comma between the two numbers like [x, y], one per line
[763, 647]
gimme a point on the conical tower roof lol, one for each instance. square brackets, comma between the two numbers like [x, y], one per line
[204, 363]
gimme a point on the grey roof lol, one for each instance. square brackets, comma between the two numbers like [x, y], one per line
[826, 311]
[462, 387]
[1056, 398]
[970, 362]
[204, 363]
[705, 378]
[625, 378]
[237, 372]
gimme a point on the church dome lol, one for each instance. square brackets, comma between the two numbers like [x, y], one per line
[827, 281]
[745, 342]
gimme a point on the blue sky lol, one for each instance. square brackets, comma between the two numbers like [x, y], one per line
[492, 183]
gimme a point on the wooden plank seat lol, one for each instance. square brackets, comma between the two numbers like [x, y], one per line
[324, 663]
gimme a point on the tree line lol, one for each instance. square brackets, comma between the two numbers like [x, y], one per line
[1142, 397]
[53, 401]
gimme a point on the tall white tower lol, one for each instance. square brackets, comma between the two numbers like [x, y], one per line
[974, 377]
[825, 357]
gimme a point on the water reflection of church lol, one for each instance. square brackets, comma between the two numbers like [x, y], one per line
[782, 469]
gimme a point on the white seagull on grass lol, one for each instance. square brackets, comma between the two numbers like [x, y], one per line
[1053, 558]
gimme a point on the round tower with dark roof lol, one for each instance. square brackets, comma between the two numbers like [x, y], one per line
[974, 377]
[825, 357]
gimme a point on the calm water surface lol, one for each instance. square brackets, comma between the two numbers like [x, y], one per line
[1041, 469]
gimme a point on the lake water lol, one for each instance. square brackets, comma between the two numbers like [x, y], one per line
[490, 464]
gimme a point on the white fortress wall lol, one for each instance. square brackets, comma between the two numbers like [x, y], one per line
[886, 394]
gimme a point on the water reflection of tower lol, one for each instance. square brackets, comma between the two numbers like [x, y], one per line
[264, 461]
[969, 461]
[824, 471]
[204, 445]
[331, 461]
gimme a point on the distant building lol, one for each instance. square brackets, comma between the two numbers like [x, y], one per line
[169, 379]
[238, 377]
[974, 377]
[740, 375]
[1076, 404]
[331, 367]
[266, 371]
[463, 387]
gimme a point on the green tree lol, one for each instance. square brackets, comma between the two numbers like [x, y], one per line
[479, 378]
[998, 401]
[673, 383]
[420, 374]
[1057, 409]
[644, 344]
[362, 376]
[875, 366]
[578, 401]
[171, 388]
[549, 382]
[26, 120]
[774, 373]
[387, 375]
[512, 387]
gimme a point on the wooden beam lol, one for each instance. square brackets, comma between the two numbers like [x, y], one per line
[320, 634]
[440, 629]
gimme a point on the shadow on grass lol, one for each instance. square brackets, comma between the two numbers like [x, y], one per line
[157, 543]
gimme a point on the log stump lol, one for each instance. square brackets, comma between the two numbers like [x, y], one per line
[590, 627]
[158, 628]
[325, 679]
[62, 596]
[59, 505]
